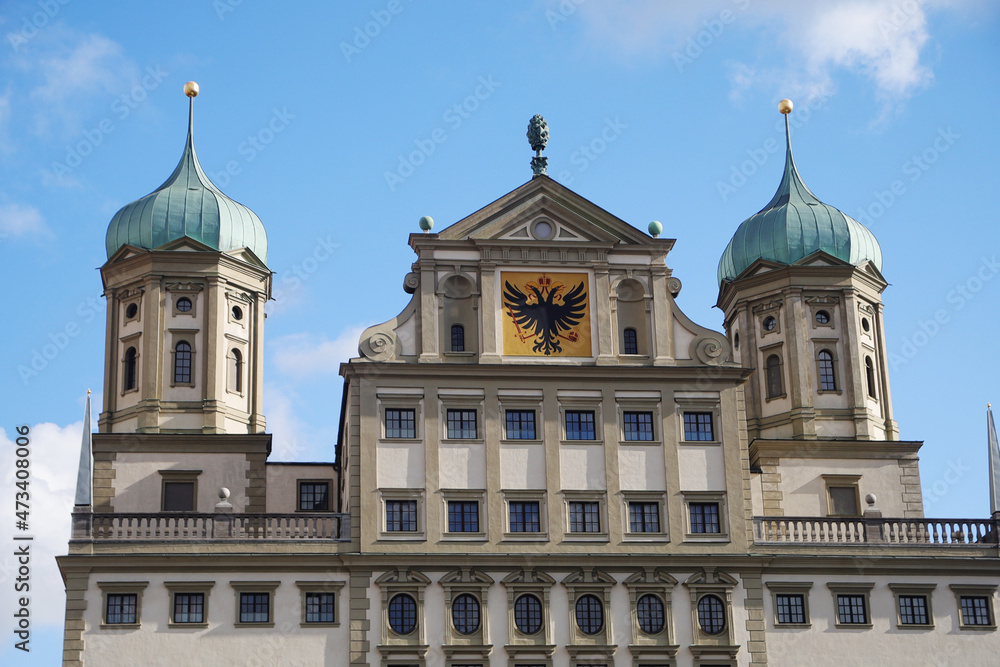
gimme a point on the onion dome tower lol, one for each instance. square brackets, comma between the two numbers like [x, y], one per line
[186, 282]
[800, 284]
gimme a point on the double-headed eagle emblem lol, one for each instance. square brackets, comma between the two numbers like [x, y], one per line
[546, 311]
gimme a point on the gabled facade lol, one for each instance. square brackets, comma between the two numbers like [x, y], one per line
[541, 461]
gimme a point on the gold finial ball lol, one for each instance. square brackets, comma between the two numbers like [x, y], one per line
[191, 89]
[785, 106]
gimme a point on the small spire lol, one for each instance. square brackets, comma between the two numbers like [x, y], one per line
[791, 185]
[994, 459]
[538, 137]
[83, 474]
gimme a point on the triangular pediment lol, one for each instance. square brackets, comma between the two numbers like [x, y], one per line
[543, 210]
[125, 252]
[820, 258]
[247, 255]
[185, 244]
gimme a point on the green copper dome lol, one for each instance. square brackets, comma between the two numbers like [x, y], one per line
[794, 225]
[188, 205]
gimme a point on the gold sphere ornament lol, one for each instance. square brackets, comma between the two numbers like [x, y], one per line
[785, 106]
[191, 89]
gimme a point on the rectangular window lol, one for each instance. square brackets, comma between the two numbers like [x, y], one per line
[843, 501]
[913, 610]
[580, 425]
[314, 496]
[698, 426]
[463, 516]
[400, 423]
[462, 424]
[644, 517]
[255, 607]
[630, 342]
[189, 607]
[520, 424]
[178, 496]
[790, 607]
[638, 425]
[400, 516]
[525, 516]
[704, 517]
[585, 517]
[122, 608]
[975, 610]
[320, 607]
[851, 610]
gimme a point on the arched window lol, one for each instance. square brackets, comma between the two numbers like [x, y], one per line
[402, 614]
[182, 363]
[870, 376]
[528, 614]
[772, 376]
[630, 341]
[827, 378]
[236, 381]
[457, 338]
[589, 614]
[130, 369]
[465, 614]
[649, 610]
[711, 615]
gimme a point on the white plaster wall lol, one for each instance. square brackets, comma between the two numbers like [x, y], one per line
[282, 486]
[804, 489]
[702, 468]
[522, 466]
[220, 644]
[400, 465]
[640, 468]
[946, 644]
[463, 466]
[582, 467]
[138, 484]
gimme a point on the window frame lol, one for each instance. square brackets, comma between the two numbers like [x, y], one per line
[523, 410]
[458, 328]
[651, 497]
[322, 587]
[386, 408]
[298, 494]
[267, 588]
[534, 582]
[235, 367]
[987, 591]
[580, 411]
[659, 583]
[108, 588]
[391, 495]
[525, 496]
[598, 497]
[828, 348]
[778, 588]
[774, 373]
[131, 345]
[179, 477]
[634, 342]
[187, 336]
[926, 591]
[851, 589]
[190, 295]
[477, 496]
[842, 482]
[653, 431]
[204, 588]
[580, 584]
[393, 583]
[474, 406]
[871, 384]
[716, 497]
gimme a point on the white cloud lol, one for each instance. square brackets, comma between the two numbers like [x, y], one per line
[881, 40]
[21, 220]
[78, 73]
[54, 456]
[302, 355]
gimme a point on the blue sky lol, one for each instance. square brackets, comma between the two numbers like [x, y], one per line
[340, 124]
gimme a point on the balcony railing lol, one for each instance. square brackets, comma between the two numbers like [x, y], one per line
[188, 527]
[875, 530]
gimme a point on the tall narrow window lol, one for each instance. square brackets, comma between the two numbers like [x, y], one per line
[773, 376]
[630, 341]
[827, 379]
[130, 369]
[182, 363]
[237, 370]
[870, 376]
[457, 338]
